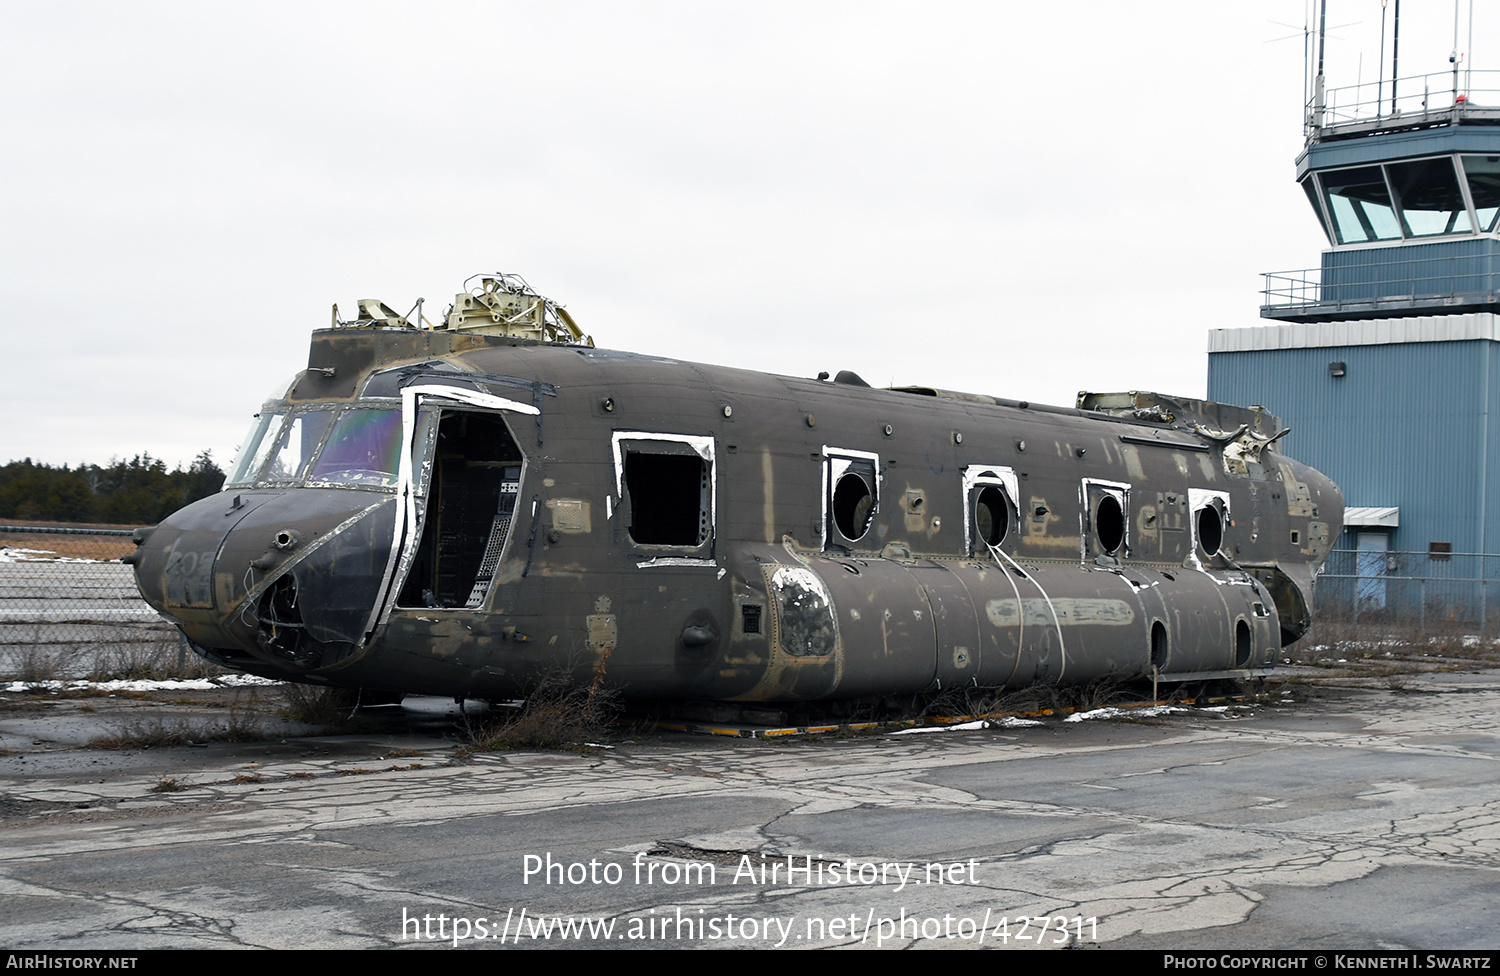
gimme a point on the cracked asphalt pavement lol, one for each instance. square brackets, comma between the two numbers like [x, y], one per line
[1360, 818]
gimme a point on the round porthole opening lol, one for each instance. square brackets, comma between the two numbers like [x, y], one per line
[991, 516]
[1158, 645]
[1109, 524]
[1210, 529]
[853, 505]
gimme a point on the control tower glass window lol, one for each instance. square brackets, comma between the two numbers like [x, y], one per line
[1484, 186]
[1361, 205]
[1431, 202]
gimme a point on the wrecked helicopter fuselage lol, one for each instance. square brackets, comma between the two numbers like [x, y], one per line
[449, 511]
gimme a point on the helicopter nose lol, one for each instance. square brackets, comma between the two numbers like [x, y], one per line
[292, 577]
[174, 561]
[314, 590]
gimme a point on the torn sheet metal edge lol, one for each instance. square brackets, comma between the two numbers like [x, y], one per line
[1121, 493]
[676, 561]
[406, 517]
[471, 397]
[1197, 498]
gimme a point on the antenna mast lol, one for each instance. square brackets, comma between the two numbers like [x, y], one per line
[1317, 109]
[1395, 49]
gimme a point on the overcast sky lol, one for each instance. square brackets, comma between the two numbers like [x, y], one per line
[1017, 199]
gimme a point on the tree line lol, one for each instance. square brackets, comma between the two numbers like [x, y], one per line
[140, 491]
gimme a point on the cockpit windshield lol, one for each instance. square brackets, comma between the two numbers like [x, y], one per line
[321, 445]
[363, 449]
[300, 437]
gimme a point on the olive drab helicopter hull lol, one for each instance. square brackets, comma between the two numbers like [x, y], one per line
[460, 510]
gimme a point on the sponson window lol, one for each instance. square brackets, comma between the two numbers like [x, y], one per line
[666, 485]
[851, 495]
[1210, 519]
[989, 493]
[1106, 518]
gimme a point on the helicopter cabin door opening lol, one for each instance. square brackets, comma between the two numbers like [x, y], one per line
[470, 504]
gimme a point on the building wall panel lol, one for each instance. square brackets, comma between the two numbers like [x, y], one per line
[1406, 425]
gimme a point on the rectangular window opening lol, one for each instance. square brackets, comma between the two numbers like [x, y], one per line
[670, 498]
[1440, 552]
[1431, 202]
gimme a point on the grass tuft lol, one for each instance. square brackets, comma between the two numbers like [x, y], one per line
[155, 662]
[242, 724]
[556, 715]
[1037, 699]
[317, 704]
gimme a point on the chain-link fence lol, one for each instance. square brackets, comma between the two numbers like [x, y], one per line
[1427, 593]
[69, 608]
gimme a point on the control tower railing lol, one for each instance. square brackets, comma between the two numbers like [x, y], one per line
[1407, 103]
[1370, 283]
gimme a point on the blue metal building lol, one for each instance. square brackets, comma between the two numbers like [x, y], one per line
[1385, 360]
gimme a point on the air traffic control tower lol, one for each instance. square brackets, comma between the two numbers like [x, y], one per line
[1385, 360]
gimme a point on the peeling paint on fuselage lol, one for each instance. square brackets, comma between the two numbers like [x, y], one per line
[675, 522]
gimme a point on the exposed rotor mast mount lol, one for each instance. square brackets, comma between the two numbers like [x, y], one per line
[502, 304]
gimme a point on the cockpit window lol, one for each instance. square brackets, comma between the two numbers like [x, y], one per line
[363, 449]
[299, 439]
[257, 445]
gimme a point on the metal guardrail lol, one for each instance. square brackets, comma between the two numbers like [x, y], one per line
[1449, 279]
[66, 599]
[1408, 102]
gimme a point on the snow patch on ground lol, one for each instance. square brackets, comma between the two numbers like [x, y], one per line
[1008, 722]
[193, 684]
[18, 554]
[1150, 712]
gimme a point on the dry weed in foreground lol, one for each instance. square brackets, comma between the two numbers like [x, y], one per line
[155, 662]
[36, 667]
[317, 704]
[556, 715]
[1442, 636]
[1038, 699]
[242, 724]
[144, 661]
